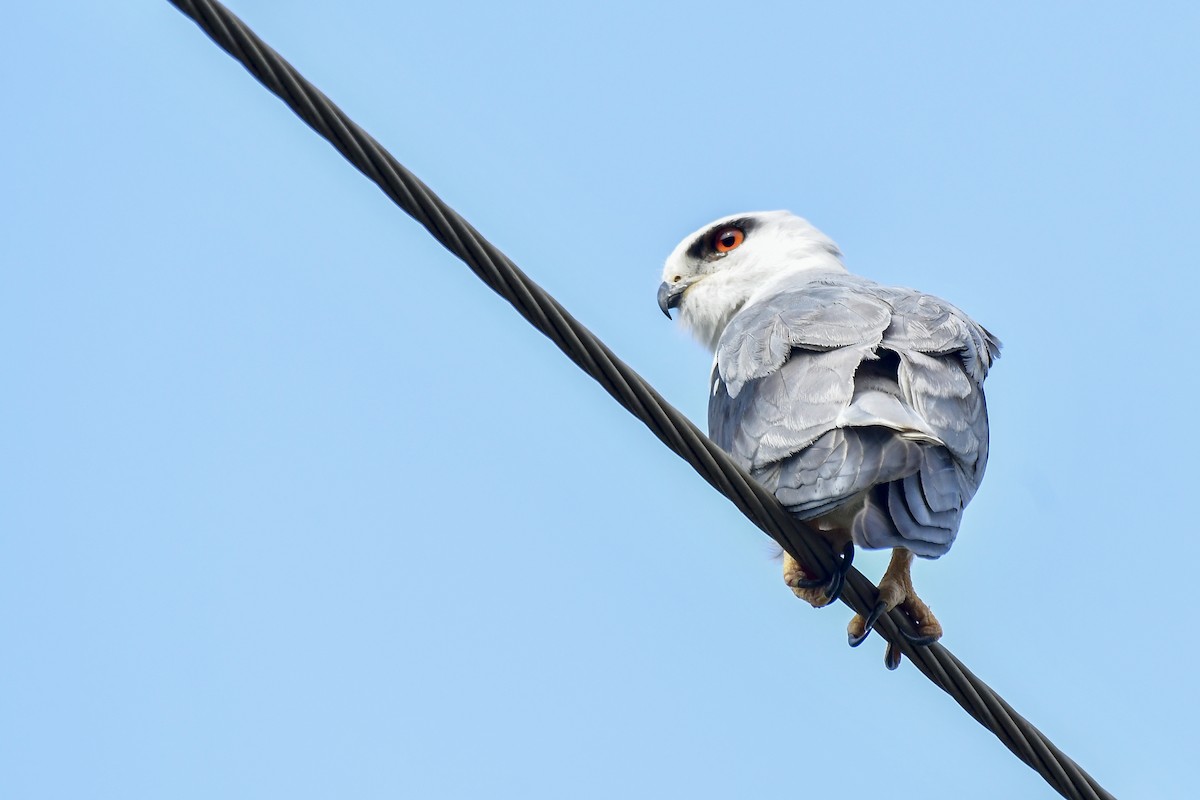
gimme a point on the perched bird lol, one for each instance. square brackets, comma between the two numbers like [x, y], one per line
[859, 406]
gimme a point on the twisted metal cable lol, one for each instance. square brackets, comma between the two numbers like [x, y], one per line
[631, 391]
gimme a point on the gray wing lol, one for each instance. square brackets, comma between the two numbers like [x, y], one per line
[842, 389]
[944, 358]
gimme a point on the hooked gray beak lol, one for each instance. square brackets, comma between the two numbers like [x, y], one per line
[670, 296]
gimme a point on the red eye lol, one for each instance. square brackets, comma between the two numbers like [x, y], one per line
[728, 239]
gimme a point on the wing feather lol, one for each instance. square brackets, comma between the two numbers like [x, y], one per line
[837, 390]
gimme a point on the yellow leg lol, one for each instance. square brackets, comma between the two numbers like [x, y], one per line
[896, 589]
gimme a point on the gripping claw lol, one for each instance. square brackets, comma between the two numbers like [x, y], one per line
[878, 611]
[920, 641]
[836, 581]
[891, 656]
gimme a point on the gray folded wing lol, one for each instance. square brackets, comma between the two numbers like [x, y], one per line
[839, 389]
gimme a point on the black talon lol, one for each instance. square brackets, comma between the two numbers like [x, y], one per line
[919, 641]
[836, 581]
[891, 656]
[878, 611]
[847, 557]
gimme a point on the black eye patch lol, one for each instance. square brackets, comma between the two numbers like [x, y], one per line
[702, 248]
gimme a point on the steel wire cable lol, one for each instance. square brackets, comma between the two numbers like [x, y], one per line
[630, 390]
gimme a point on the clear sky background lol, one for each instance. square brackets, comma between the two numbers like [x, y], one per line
[292, 506]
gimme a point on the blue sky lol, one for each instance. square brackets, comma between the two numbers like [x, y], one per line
[292, 506]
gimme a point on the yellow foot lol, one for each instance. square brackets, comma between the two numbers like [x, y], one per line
[794, 575]
[896, 590]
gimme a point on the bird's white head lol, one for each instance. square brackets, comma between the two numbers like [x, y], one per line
[717, 269]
